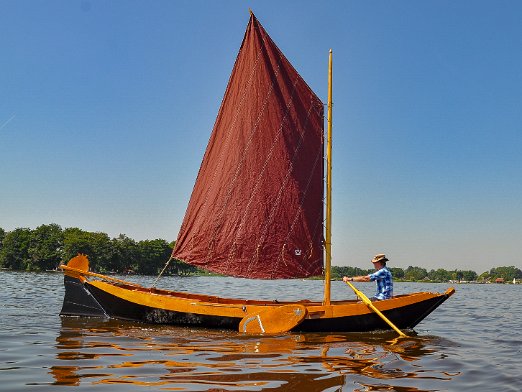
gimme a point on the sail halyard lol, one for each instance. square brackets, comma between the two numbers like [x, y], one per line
[256, 209]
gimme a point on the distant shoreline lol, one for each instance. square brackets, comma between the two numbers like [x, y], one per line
[47, 246]
[210, 275]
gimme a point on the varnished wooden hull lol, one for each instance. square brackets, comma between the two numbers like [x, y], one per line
[131, 302]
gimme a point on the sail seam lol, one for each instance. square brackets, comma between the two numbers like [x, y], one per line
[243, 158]
[299, 210]
[265, 165]
[283, 185]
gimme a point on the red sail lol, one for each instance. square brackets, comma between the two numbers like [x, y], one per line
[256, 210]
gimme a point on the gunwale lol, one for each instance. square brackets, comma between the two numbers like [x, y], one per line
[134, 302]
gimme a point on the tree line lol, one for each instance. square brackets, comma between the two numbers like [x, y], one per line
[47, 246]
[416, 274]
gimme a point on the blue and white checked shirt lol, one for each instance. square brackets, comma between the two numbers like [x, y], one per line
[384, 281]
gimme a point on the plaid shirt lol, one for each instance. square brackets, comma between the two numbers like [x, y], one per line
[383, 278]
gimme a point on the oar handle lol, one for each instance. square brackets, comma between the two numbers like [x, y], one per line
[88, 273]
[367, 301]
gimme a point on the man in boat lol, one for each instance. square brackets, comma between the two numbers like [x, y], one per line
[382, 276]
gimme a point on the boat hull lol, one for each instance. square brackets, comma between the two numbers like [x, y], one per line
[131, 302]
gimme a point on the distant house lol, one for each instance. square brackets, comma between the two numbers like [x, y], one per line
[499, 280]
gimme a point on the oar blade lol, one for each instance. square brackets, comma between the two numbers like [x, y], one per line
[273, 320]
[80, 263]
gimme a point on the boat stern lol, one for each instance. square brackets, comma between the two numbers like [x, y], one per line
[78, 300]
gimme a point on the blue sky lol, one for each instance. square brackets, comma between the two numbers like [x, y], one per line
[106, 108]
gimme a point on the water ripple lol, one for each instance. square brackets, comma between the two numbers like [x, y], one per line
[470, 343]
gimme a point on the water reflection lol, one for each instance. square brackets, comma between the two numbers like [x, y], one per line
[476, 347]
[94, 351]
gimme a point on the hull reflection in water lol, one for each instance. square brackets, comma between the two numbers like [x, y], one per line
[120, 353]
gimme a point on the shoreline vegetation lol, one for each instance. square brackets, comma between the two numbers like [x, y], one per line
[47, 246]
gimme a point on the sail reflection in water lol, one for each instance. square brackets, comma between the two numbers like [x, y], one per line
[95, 352]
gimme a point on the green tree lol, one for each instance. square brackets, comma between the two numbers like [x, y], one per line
[469, 276]
[153, 254]
[102, 252]
[339, 272]
[506, 273]
[397, 273]
[415, 273]
[2, 235]
[97, 246]
[439, 275]
[457, 275]
[15, 249]
[178, 267]
[75, 241]
[46, 247]
[181, 268]
[125, 254]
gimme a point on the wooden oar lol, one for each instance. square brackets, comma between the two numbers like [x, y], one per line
[366, 300]
[79, 266]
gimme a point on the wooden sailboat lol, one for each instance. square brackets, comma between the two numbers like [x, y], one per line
[256, 211]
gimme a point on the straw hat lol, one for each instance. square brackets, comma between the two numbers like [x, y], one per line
[380, 258]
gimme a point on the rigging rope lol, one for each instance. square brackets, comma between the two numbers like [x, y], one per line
[163, 270]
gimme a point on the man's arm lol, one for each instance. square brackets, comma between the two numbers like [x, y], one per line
[365, 278]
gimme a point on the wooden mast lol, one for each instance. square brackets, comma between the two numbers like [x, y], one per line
[328, 234]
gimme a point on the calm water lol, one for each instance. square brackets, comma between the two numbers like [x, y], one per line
[472, 342]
